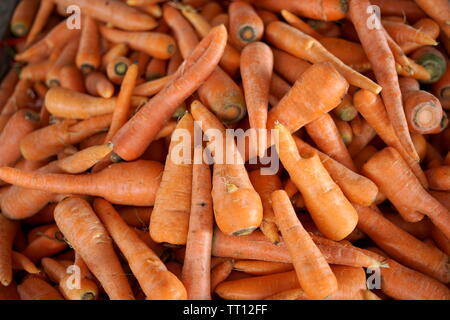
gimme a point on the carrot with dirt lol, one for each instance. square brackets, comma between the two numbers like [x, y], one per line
[423, 110]
[376, 46]
[115, 12]
[66, 57]
[256, 72]
[237, 206]
[19, 125]
[35, 288]
[137, 134]
[439, 178]
[86, 234]
[325, 134]
[88, 56]
[439, 10]
[156, 281]
[407, 195]
[44, 11]
[97, 84]
[170, 216]
[331, 211]
[8, 230]
[441, 240]
[355, 187]
[298, 23]
[296, 109]
[196, 266]
[23, 16]
[313, 272]
[403, 247]
[70, 77]
[84, 159]
[372, 109]
[441, 89]
[46, 243]
[265, 185]
[245, 25]
[432, 60]
[141, 178]
[306, 47]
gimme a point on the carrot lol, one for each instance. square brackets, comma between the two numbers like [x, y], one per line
[43, 13]
[66, 57]
[115, 13]
[47, 243]
[304, 46]
[325, 28]
[141, 177]
[170, 219]
[22, 96]
[97, 84]
[372, 109]
[19, 125]
[265, 185]
[426, 26]
[420, 143]
[256, 72]
[375, 45]
[261, 268]
[89, 238]
[329, 10]
[36, 71]
[438, 10]
[441, 240]
[115, 51]
[401, 8]
[401, 245]
[441, 89]
[413, 202]
[156, 282]
[21, 262]
[221, 18]
[278, 86]
[23, 17]
[295, 108]
[9, 292]
[155, 69]
[43, 216]
[256, 288]
[8, 230]
[220, 273]
[210, 10]
[290, 67]
[298, 23]
[401, 32]
[160, 108]
[116, 69]
[152, 87]
[439, 178]
[351, 53]
[421, 230]
[312, 182]
[196, 266]
[245, 25]
[58, 36]
[423, 110]
[88, 55]
[155, 44]
[174, 63]
[138, 217]
[325, 134]
[237, 206]
[432, 60]
[313, 272]
[345, 130]
[292, 294]
[142, 60]
[84, 159]
[70, 77]
[34, 288]
[7, 86]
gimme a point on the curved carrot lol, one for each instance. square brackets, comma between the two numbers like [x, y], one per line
[313, 272]
[245, 25]
[86, 234]
[43, 13]
[156, 282]
[402, 32]
[21, 97]
[161, 107]
[88, 55]
[34, 288]
[8, 230]
[97, 84]
[439, 178]
[84, 159]
[432, 60]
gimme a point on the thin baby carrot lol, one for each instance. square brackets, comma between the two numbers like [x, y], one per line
[298, 23]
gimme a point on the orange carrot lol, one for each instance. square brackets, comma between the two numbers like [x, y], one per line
[43, 13]
[8, 230]
[313, 272]
[245, 25]
[402, 32]
[298, 23]
[7, 86]
[266, 16]
[138, 217]
[363, 133]
[23, 17]
[401, 8]
[84, 159]
[220, 273]
[155, 69]
[261, 268]
[70, 77]
[89, 238]
[97, 84]
[34, 288]
[198, 246]
[439, 10]
[290, 67]
[420, 143]
[278, 86]
[303, 46]
[329, 208]
[115, 51]
[375, 45]
[44, 216]
[170, 217]
[210, 10]
[426, 26]
[421, 230]
[345, 130]
[439, 178]
[295, 109]
[116, 69]
[47, 243]
[88, 55]
[66, 57]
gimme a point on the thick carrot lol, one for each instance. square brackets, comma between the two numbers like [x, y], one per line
[114, 12]
[265, 185]
[170, 217]
[35, 288]
[43, 13]
[88, 55]
[196, 266]
[155, 44]
[439, 10]
[296, 108]
[329, 208]
[8, 230]
[306, 47]
[47, 242]
[298, 23]
[375, 45]
[313, 272]
[256, 72]
[84, 159]
[402, 246]
[97, 84]
[141, 178]
[156, 282]
[324, 133]
[23, 17]
[407, 195]
[372, 109]
[329, 10]
[439, 178]
[89, 238]
[135, 136]
[245, 25]
[432, 60]
[19, 125]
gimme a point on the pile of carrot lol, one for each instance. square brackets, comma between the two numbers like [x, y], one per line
[351, 108]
